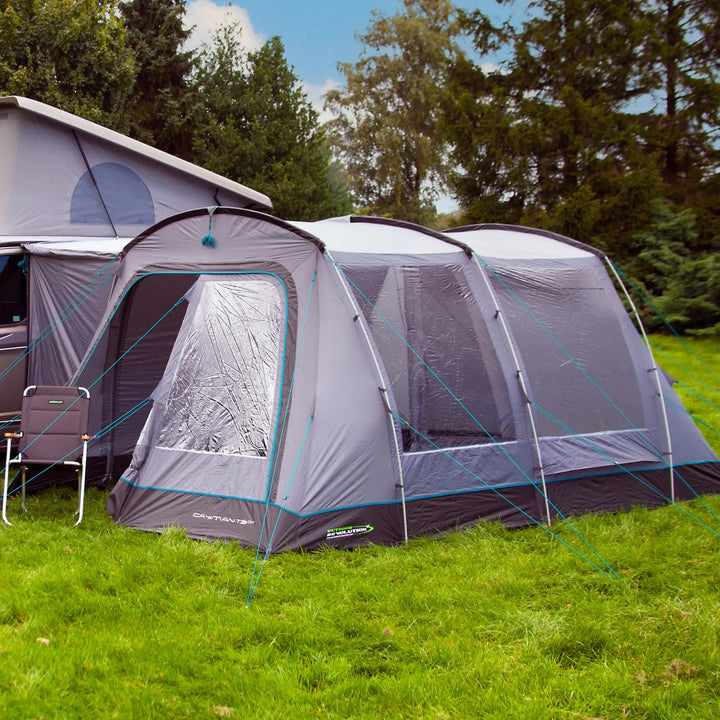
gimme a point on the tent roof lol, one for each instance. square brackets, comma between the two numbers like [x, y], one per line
[49, 246]
[382, 236]
[511, 242]
[368, 235]
[254, 198]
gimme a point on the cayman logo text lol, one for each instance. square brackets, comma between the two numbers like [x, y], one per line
[223, 519]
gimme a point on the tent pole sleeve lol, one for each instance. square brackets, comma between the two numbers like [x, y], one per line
[359, 319]
[523, 385]
[401, 483]
[654, 369]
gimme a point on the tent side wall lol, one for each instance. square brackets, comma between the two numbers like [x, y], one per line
[340, 484]
[67, 293]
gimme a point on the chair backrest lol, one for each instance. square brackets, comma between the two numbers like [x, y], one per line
[54, 419]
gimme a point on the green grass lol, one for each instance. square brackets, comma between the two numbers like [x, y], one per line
[102, 621]
[695, 364]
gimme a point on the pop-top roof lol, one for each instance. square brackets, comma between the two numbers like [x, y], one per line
[62, 177]
[255, 199]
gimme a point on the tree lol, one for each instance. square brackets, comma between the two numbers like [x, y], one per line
[162, 108]
[261, 130]
[386, 129]
[682, 63]
[601, 107]
[550, 139]
[487, 144]
[682, 285]
[68, 53]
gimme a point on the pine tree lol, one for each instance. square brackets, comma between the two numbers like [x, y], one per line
[551, 140]
[601, 107]
[681, 284]
[163, 106]
[682, 63]
[261, 130]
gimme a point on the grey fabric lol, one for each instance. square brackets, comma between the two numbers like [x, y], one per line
[262, 369]
[67, 294]
[63, 176]
[565, 318]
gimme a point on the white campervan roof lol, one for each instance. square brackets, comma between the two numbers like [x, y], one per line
[64, 176]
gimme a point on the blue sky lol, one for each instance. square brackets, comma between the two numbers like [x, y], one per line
[317, 34]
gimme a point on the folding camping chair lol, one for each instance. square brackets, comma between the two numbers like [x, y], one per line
[53, 432]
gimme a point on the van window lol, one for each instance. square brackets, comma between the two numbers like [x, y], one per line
[125, 197]
[13, 300]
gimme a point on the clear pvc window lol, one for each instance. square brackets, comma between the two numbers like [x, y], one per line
[224, 392]
[445, 375]
[566, 325]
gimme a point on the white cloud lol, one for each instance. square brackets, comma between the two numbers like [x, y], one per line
[207, 17]
[316, 95]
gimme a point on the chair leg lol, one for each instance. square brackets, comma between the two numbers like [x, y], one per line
[81, 485]
[23, 479]
[5, 484]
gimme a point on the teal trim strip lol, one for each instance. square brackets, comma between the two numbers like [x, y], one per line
[292, 381]
[342, 508]
[275, 457]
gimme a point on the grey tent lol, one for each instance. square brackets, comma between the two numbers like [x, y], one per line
[358, 380]
[72, 194]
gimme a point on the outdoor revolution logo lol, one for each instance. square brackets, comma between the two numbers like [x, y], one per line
[348, 531]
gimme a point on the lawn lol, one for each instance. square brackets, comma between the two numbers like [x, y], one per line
[103, 621]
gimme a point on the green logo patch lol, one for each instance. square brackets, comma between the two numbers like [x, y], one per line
[348, 531]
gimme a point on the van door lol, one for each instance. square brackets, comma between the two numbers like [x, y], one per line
[13, 332]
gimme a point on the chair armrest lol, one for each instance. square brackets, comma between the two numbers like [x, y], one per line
[13, 435]
[87, 437]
